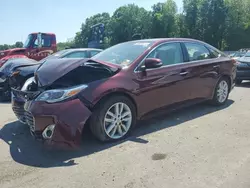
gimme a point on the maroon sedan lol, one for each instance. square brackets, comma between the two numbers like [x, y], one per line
[120, 85]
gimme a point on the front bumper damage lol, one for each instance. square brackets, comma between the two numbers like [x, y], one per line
[58, 125]
[4, 88]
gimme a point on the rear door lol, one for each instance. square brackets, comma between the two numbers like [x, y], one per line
[204, 68]
[167, 85]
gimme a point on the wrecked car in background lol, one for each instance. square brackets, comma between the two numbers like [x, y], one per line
[243, 68]
[9, 70]
[120, 85]
[17, 71]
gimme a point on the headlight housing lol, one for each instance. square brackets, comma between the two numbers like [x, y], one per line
[57, 95]
[27, 83]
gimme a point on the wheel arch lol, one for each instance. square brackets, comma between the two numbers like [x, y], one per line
[116, 92]
[228, 79]
[226, 76]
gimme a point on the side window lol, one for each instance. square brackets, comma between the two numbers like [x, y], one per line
[46, 41]
[35, 44]
[197, 52]
[169, 54]
[214, 53]
[82, 54]
[93, 53]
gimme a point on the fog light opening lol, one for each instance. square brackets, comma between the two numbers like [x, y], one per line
[48, 132]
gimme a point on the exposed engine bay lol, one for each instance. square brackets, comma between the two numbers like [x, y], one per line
[85, 73]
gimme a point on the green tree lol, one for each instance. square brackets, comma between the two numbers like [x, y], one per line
[129, 21]
[18, 45]
[211, 21]
[190, 11]
[164, 19]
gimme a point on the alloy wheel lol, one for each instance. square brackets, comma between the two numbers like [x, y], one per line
[117, 120]
[222, 91]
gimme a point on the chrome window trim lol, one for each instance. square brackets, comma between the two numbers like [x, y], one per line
[165, 66]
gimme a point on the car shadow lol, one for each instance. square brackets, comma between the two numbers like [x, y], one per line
[26, 151]
[244, 84]
[5, 102]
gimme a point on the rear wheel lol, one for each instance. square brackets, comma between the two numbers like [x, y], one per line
[113, 119]
[221, 92]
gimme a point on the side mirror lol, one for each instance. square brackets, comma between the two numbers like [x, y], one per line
[151, 63]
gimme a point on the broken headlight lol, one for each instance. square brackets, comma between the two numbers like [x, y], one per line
[57, 95]
[27, 83]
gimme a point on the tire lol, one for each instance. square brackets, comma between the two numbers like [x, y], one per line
[217, 101]
[97, 121]
[238, 82]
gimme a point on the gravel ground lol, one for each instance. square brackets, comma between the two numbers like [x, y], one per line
[197, 147]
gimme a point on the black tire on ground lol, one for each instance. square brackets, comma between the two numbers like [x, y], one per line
[238, 82]
[215, 101]
[98, 115]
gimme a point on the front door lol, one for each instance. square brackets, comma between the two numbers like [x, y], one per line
[164, 86]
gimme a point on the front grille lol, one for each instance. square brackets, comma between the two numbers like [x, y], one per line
[37, 135]
[30, 120]
[25, 95]
[19, 112]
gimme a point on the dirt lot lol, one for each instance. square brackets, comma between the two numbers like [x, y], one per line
[200, 146]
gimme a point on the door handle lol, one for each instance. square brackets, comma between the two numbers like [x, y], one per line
[184, 73]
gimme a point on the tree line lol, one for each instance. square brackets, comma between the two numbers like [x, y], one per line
[16, 45]
[224, 24]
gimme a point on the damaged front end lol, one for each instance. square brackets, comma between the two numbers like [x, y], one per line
[52, 103]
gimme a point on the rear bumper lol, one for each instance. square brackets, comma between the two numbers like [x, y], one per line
[68, 117]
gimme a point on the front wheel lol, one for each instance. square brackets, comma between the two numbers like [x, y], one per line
[113, 119]
[221, 92]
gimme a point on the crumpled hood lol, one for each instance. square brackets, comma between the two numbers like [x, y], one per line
[10, 52]
[12, 64]
[53, 69]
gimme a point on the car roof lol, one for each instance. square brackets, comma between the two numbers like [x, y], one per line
[82, 49]
[159, 40]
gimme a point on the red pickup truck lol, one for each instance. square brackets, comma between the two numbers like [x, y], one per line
[37, 46]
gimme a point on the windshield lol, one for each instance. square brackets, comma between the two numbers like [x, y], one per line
[28, 41]
[125, 53]
[55, 55]
[239, 54]
[247, 54]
